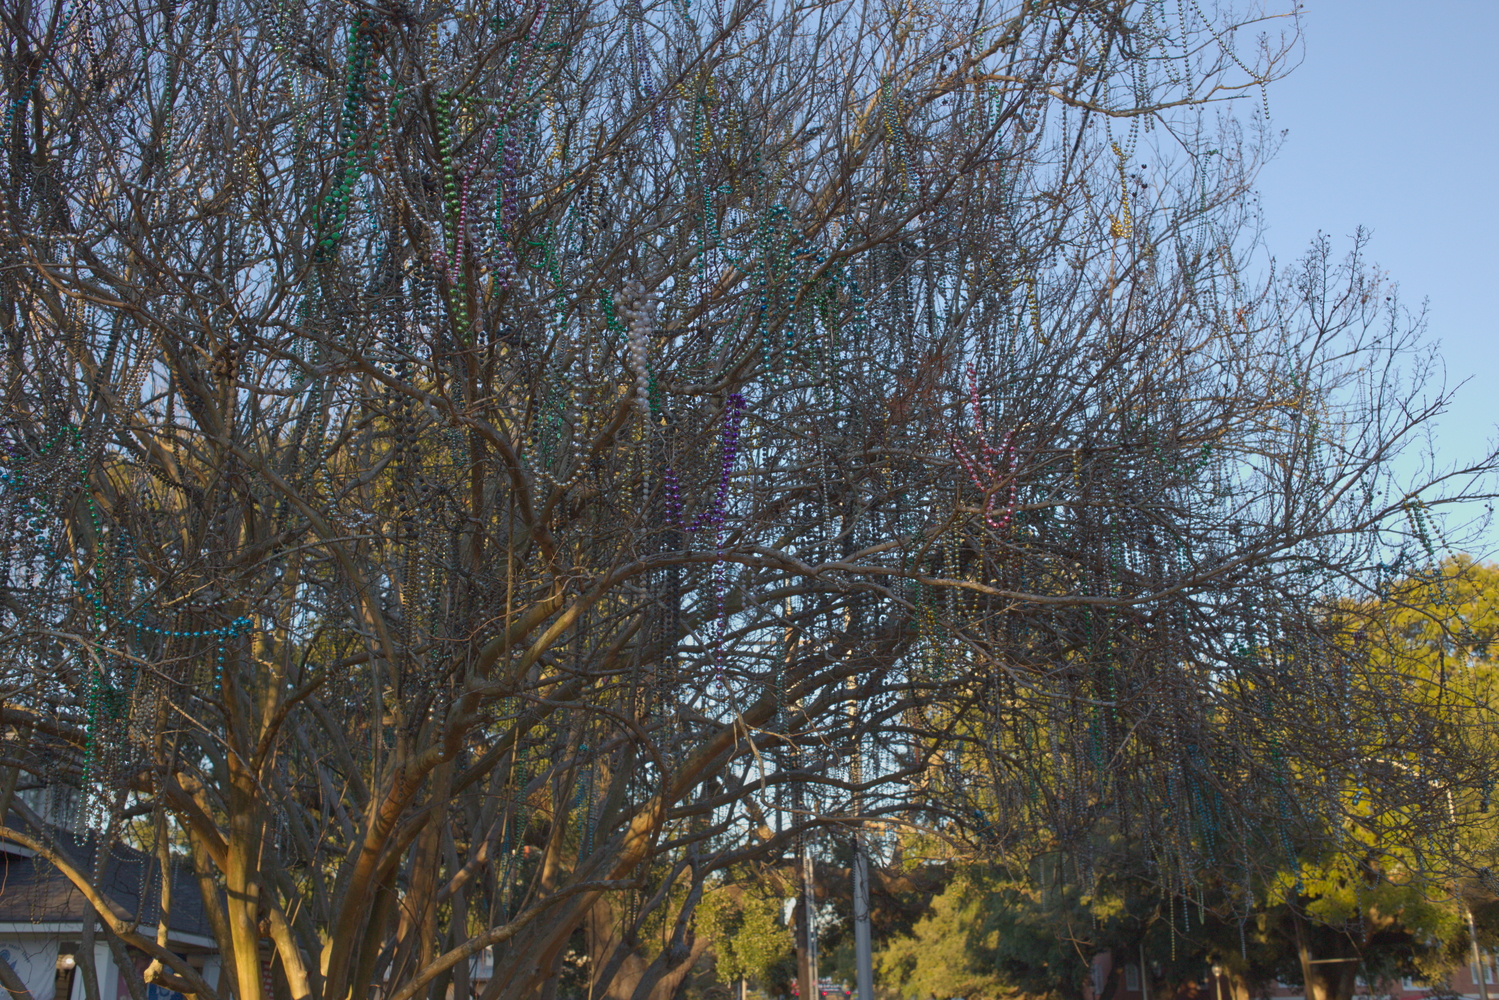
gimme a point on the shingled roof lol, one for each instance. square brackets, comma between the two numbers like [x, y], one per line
[33, 891]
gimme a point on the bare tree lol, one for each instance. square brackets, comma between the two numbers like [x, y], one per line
[482, 471]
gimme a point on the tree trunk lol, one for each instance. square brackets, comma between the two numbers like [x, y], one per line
[615, 966]
[1331, 977]
[241, 876]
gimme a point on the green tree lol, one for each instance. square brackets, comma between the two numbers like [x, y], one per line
[1373, 885]
[751, 937]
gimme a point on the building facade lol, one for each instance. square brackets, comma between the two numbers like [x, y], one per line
[42, 913]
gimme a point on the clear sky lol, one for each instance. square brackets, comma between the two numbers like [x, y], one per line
[1393, 124]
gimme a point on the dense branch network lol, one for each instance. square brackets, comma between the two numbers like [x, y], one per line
[476, 471]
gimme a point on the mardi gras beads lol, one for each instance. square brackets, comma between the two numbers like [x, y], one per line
[637, 314]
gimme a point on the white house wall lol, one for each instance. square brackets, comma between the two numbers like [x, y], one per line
[109, 975]
[211, 969]
[35, 962]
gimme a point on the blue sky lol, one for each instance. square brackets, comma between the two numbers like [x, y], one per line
[1393, 124]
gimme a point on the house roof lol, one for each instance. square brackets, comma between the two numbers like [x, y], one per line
[33, 891]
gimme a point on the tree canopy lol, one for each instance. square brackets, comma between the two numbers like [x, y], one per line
[482, 474]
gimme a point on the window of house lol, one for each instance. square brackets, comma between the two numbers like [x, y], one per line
[1132, 978]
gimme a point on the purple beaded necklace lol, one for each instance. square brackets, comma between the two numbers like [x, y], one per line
[714, 517]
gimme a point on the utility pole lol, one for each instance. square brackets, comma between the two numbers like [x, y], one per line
[806, 916]
[804, 980]
[863, 953]
[863, 956]
[804, 935]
